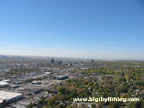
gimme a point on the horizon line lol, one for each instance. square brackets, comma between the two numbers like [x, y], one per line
[88, 58]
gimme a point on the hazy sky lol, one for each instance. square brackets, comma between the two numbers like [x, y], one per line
[104, 29]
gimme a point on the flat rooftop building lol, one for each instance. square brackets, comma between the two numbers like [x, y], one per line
[61, 77]
[8, 97]
[6, 81]
[3, 84]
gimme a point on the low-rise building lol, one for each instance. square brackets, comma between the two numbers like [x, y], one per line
[8, 97]
[61, 77]
[3, 84]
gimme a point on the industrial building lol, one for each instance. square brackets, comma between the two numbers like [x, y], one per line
[36, 82]
[30, 90]
[61, 77]
[3, 84]
[8, 81]
[47, 73]
[8, 97]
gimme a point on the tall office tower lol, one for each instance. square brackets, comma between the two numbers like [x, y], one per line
[52, 61]
[92, 62]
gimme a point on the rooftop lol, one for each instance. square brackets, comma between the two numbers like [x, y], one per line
[3, 83]
[8, 96]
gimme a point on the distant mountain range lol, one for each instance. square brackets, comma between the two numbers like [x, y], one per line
[7, 57]
[29, 58]
[46, 58]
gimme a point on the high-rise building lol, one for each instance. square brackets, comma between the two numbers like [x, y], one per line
[92, 62]
[60, 63]
[52, 61]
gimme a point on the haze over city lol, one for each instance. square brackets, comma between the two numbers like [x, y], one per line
[71, 53]
[104, 29]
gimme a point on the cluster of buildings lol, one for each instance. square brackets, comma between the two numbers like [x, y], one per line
[20, 90]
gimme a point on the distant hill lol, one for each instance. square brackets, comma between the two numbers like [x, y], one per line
[19, 58]
[7, 58]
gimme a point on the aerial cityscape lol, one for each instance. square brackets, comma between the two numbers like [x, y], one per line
[53, 82]
[71, 54]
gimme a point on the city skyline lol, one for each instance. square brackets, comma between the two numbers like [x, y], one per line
[82, 29]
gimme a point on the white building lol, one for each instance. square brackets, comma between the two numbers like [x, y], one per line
[8, 97]
[8, 81]
[3, 84]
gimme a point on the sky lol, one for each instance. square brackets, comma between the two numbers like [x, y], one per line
[99, 29]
